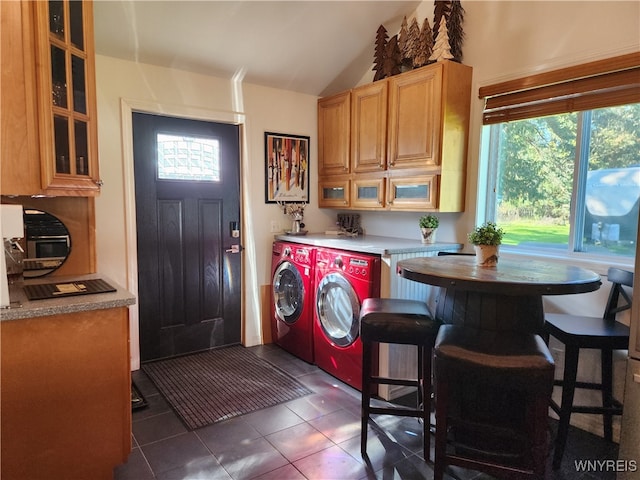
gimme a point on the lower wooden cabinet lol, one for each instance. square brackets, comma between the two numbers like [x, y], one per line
[66, 395]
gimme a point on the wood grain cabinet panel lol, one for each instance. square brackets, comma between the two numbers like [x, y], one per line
[334, 121]
[369, 128]
[66, 395]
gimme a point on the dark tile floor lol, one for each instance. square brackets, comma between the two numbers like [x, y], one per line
[313, 437]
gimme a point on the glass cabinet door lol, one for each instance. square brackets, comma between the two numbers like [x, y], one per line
[67, 96]
[333, 193]
[368, 193]
[411, 193]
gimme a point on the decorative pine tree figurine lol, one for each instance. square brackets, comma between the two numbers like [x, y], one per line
[425, 45]
[403, 42]
[413, 42]
[441, 9]
[442, 49]
[456, 35]
[392, 58]
[380, 51]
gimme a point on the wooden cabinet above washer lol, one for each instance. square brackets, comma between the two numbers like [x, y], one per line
[412, 125]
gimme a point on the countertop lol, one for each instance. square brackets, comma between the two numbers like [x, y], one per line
[372, 244]
[70, 304]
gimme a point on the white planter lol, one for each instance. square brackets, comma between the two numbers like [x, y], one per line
[428, 235]
[486, 255]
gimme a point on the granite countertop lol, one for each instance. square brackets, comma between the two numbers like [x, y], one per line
[22, 307]
[372, 244]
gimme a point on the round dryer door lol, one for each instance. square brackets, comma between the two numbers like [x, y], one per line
[338, 309]
[288, 292]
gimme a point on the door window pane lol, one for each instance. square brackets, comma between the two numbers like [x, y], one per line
[56, 18]
[58, 77]
[188, 158]
[75, 17]
[78, 84]
[61, 135]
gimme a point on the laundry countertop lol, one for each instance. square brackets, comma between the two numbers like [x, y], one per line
[371, 244]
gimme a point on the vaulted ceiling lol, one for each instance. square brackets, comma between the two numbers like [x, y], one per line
[313, 47]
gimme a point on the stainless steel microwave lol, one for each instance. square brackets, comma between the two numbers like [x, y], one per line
[48, 246]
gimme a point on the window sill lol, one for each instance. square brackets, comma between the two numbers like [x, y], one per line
[599, 264]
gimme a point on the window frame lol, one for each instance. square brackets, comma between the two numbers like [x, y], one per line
[604, 83]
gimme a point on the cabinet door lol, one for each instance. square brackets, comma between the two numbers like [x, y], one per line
[369, 127]
[414, 193]
[334, 134]
[414, 118]
[66, 395]
[333, 193]
[367, 192]
[19, 138]
[66, 97]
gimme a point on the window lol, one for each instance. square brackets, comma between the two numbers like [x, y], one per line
[186, 158]
[564, 177]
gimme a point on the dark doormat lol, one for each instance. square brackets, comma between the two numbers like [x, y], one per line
[216, 385]
[137, 399]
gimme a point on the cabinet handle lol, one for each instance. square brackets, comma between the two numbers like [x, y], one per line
[99, 183]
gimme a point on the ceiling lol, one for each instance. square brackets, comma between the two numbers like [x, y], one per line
[313, 47]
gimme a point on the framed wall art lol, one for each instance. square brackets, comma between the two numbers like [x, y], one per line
[286, 165]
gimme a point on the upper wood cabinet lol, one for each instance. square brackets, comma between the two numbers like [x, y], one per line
[414, 114]
[334, 123]
[49, 135]
[369, 128]
[412, 125]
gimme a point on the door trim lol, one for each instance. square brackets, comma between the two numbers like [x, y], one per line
[127, 108]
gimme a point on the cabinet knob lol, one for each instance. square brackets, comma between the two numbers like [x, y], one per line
[99, 183]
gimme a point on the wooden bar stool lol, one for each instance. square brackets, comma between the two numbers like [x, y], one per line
[578, 332]
[397, 321]
[492, 395]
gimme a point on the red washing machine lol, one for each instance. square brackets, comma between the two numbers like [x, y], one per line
[343, 280]
[292, 270]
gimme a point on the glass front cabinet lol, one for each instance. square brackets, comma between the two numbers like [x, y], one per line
[66, 97]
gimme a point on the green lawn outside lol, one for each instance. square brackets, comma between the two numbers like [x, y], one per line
[524, 231]
[528, 231]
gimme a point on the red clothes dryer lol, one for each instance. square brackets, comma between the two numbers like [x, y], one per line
[292, 269]
[343, 280]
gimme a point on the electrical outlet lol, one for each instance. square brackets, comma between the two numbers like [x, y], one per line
[275, 226]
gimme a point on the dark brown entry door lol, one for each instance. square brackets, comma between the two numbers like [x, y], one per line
[187, 199]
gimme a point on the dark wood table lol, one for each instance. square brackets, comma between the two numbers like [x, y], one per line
[505, 297]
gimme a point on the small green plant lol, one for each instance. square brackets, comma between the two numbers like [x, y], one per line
[429, 221]
[486, 234]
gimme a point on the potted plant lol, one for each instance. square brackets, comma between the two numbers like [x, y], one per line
[486, 240]
[428, 225]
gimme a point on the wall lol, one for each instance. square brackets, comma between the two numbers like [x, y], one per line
[177, 92]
